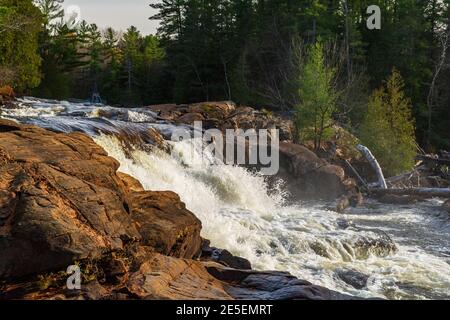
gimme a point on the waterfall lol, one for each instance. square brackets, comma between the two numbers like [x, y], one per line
[241, 213]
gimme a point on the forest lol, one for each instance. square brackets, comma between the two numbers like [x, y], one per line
[313, 59]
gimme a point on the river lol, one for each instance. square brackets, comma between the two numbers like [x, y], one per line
[378, 250]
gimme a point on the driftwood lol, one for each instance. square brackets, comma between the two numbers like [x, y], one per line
[399, 178]
[356, 174]
[375, 165]
[420, 192]
[438, 161]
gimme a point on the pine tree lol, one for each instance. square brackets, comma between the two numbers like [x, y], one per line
[313, 116]
[388, 126]
[20, 24]
[51, 10]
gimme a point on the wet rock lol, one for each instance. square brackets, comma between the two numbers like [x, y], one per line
[344, 224]
[253, 285]
[223, 257]
[352, 198]
[379, 245]
[354, 278]
[229, 260]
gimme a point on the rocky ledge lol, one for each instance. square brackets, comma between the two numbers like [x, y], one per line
[62, 202]
[307, 176]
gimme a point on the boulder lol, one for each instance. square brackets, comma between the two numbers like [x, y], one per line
[165, 224]
[309, 177]
[354, 278]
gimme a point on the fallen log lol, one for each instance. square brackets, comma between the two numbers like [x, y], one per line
[438, 161]
[357, 175]
[375, 165]
[420, 192]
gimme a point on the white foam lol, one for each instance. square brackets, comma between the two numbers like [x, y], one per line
[238, 214]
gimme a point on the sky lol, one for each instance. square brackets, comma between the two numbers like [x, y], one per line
[119, 14]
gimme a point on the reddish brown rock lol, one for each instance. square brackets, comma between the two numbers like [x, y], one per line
[309, 177]
[190, 118]
[61, 200]
[165, 224]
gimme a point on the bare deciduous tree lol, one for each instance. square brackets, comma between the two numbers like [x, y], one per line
[444, 40]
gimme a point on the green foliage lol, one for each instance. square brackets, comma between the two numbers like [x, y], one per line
[388, 127]
[20, 24]
[313, 116]
[243, 50]
[51, 10]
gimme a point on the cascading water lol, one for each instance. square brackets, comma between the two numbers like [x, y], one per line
[240, 213]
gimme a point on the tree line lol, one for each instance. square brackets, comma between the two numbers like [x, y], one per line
[314, 58]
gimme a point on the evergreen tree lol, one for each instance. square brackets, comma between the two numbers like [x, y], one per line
[51, 10]
[388, 127]
[314, 113]
[20, 24]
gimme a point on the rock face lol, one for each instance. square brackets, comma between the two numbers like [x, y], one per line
[62, 202]
[165, 224]
[309, 177]
[224, 115]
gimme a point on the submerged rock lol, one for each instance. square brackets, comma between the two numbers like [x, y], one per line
[354, 278]
[381, 246]
[224, 257]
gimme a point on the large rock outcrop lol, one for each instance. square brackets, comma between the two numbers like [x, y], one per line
[63, 203]
[225, 115]
[61, 200]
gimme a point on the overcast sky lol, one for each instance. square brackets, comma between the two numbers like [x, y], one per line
[119, 14]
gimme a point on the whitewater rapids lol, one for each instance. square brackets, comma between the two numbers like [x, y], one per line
[241, 214]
